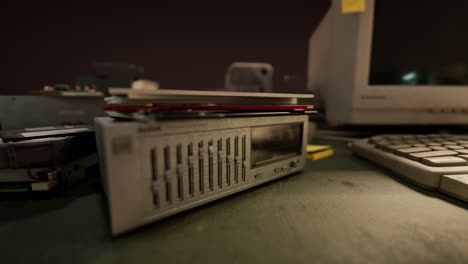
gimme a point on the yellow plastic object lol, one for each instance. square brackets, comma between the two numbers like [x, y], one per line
[315, 148]
[353, 6]
[320, 155]
[316, 152]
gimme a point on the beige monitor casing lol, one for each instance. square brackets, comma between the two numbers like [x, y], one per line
[338, 72]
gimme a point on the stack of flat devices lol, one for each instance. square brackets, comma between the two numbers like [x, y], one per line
[166, 151]
[41, 159]
[175, 104]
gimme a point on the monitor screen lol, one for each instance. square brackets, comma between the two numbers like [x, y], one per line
[420, 43]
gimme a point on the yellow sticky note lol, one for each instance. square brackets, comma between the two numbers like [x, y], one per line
[353, 6]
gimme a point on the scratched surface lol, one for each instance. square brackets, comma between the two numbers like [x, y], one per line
[341, 209]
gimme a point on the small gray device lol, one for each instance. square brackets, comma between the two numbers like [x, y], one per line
[152, 170]
[249, 77]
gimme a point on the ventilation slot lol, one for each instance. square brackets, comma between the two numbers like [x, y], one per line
[210, 164]
[228, 161]
[168, 174]
[220, 163]
[180, 189]
[190, 169]
[201, 180]
[244, 143]
[236, 159]
[154, 176]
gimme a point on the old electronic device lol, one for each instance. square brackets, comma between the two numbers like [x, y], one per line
[152, 170]
[45, 178]
[42, 132]
[16, 111]
[126, 96]
[397, 62]
[45, 158]
[46, 152]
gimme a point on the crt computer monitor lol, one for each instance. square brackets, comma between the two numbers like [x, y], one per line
[399, 62]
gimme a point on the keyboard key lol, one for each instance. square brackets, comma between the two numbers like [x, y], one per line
[454, 147]
[438, 148]
[419, 145]
[462, 151]
[464, 156]
[455, 185]
[419, 155]
[411, 142]
[375, 140]
[462, 142]
[404, 151]
[433, 144]
[396, 146]
[382, 144]
[407, 137]
[444, 161]
[448, 143]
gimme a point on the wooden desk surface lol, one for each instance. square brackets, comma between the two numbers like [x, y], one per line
[339, 210]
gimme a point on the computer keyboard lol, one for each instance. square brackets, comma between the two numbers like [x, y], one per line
[433, 161]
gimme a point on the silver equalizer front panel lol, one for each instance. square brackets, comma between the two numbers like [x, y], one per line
[154, 170]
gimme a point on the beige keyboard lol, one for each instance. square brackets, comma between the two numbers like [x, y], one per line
[433, 161]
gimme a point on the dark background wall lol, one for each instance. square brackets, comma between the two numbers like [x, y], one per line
[180, 45]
